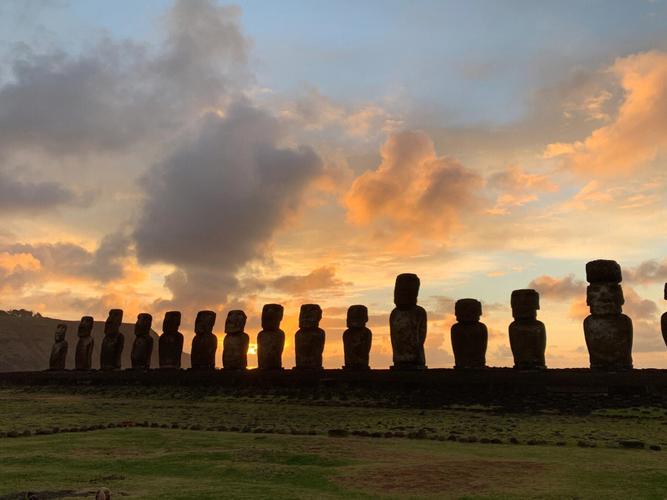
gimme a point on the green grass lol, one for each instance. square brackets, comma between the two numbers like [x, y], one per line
[178, 464]
[268, 461]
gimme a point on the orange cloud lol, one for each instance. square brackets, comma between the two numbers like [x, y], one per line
[413, 192]
[638, 133]
[11, 261]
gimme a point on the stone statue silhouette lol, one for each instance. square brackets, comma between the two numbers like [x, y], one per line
[271, 340]
[58, 356]
[235, 345]
[309, 339]
[607, 330]
[663, 319]
[407, 324]
[528, 336]
[469, 336]
[113, 342]
[205, 343]
[170, 344]
[142, 348]
[83, 358]
[357, 339]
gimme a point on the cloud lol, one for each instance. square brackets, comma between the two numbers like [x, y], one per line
[33, 196]
[638, 131]
[649, 271]
[215, 201]
[68, 260]
[322, 278]
[559, 288]
[116, 93]
[413, 191]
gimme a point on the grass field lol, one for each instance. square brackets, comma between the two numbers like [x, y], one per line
[265, 450]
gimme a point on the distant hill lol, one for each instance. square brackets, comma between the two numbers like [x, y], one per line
[26, 340]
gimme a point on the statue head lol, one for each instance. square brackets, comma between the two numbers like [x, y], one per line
[85, 326]
[357, 316]
[171, 322]
[406, 290]
[61, 330]
[468, 310]
[525, 303]
[235, 322]
[272, 315]
[603, 271]
[113, 322]
[310, 316]
[204, 322]
[143, 325]
[605, 298]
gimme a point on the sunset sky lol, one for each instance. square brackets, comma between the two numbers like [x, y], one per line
[189, 155]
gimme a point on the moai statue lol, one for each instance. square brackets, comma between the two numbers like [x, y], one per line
[170, 344]
[663, 320]
[469, 336]
[83, 358]
[357, 339]
[59, 349]
[113, 342]
[205, 343]
[607, 330]
[142, 349]
[309, 338]
[235, 345]
[528, 336]
[271, 340]
[407, 325]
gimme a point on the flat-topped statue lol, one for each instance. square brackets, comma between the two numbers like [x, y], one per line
[170, 343]
[271, 340]
[528, 336]
[469, 336]
[205, 343]
[58, 357]
[83, 357]
[142, 348]
[607, 330]
[235, 345]
[113, 342]
[407, 325]
[357, 339]
[309, 338]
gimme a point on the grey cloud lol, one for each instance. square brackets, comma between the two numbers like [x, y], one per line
[33, 196]
[559, 288]
[216, 200]
[71, 260]
[322, 278]
[117, 93]
[650, 271]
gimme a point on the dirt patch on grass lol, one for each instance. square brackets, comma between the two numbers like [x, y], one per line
[443, 476]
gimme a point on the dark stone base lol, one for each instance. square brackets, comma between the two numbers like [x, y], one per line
[408, 367]
[525, 367]
[356, 368]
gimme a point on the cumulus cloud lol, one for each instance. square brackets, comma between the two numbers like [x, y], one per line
[116, 93]
[649, 271]
[559, 288]
[33, 196]
[322, 278]
[68, 260]
[517, 188]
[638, 131]
[214, 203]
[413, 191]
